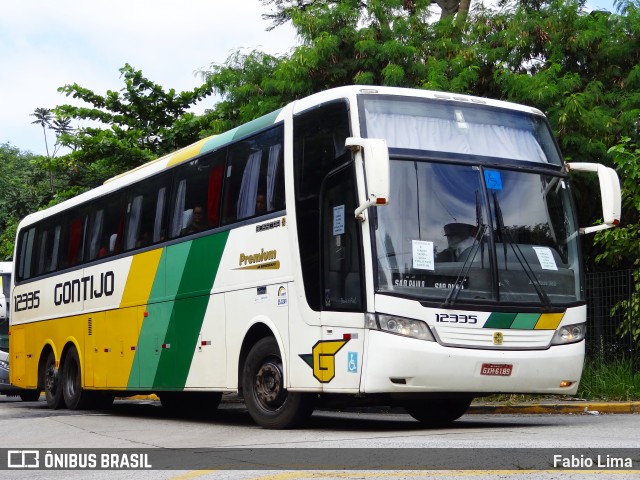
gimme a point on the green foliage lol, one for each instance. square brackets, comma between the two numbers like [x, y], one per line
[621, 245]
[23, 185]
[610, 381]
[582, 69]
[126, 128]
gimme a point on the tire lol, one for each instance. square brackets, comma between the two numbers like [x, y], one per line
[29, 395]
[74, 396]
[268, 402]
[191, 402]
[52, 381]
[438, 411]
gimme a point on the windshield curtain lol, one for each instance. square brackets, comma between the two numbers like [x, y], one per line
[459, 128]
[469, 234]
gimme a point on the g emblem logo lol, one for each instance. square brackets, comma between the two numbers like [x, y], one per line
[323, 359]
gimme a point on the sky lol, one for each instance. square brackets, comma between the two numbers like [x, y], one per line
[47, 44]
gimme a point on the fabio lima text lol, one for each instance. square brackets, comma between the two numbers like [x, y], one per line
[599, 461]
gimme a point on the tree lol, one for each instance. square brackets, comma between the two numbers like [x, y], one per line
[43, 118]
[122, 130]
[23, 187]
[624, 240]
[60, 125]
[581, 68]
[285, 10]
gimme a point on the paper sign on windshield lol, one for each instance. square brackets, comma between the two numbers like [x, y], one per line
[545, 257]
[423, 255]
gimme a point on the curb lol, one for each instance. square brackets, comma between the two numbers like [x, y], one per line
[575, 407]
[588, 408]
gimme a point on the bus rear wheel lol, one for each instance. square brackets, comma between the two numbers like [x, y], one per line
[52, 390]
[74, 396]
[269, 403]
[438, 411]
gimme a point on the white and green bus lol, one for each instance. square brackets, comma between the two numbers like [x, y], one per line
[385, 245]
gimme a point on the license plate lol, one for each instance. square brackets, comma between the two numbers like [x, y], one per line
[497, 369]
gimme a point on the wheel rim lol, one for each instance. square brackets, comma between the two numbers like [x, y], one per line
[51, 380]
[269, 387]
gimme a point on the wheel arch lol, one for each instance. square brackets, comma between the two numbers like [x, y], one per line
[256, 332]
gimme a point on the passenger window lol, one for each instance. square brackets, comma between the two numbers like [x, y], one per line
[254, 177]
[145, 213]
[196, 201]
[106, 225]
[48, 243]
[75, 239]
[26, 253]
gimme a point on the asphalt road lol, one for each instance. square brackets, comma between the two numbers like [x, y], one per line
[388, 444]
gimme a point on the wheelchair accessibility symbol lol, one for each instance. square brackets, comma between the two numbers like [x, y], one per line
[352, 366]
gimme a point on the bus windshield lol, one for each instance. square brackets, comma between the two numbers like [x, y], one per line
[477, 233]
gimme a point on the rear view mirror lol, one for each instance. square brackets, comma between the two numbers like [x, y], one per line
[376, 166]
[609, 191]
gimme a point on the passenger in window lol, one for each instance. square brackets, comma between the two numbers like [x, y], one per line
[144, 240]
[261, 204]
[104, 247]
[198, 221]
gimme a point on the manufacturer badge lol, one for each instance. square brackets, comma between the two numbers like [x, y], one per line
[498, 338]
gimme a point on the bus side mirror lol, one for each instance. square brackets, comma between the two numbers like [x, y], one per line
[376, 166]
[609, 191]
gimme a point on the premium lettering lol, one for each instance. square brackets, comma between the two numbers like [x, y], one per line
[263, 256]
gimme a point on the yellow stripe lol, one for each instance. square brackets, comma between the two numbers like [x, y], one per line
[120, 334]
[549, 321]
[187, 152]
[142, 273]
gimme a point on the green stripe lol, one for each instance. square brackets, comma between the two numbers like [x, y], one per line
[177, 304]
[192, 298]
[500, 320]
[241, 131]
[525, 321]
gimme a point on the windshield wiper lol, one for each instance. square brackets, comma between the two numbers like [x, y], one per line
[507, 239]
[466, 266]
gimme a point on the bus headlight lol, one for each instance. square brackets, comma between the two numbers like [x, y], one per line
[399, 325]
[569, 334]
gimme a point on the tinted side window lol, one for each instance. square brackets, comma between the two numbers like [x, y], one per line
[48, 247]
[72, 245]
[25, 253]
[254, 177]
[197, 193]
[145, 213]
[106, 226]
[319, 138]
[340, 243]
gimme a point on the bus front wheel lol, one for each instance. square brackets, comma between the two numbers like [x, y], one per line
[269, 403]
[74, 396]
[52, 390]
[438, 411]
